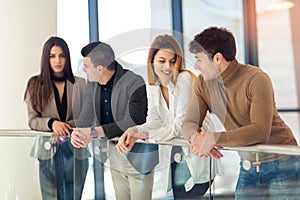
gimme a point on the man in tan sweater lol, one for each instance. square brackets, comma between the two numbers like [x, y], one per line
[242, 97]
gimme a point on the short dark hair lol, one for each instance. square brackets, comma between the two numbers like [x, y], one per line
[100, 54]
[214, 40]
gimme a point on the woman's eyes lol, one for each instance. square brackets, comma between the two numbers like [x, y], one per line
[163, 61]
[60, 56]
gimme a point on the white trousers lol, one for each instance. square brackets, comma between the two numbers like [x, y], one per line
[129, 184]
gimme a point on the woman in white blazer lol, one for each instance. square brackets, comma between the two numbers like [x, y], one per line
[54, 99]
[169, 92]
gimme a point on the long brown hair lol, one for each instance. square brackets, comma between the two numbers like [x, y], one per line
[40, 87]
[165, 42]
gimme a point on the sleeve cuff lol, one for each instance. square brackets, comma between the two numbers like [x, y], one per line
[50, 123]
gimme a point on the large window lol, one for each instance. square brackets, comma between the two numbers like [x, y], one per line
[130, 31]
[276, 54]
[200, 14]
[129, 27]
[73, 26]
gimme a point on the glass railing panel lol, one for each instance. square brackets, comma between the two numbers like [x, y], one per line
[33, 164]
[19, 167]
[18, 170]
[274, 168]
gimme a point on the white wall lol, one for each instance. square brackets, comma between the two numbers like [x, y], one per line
[25, 26]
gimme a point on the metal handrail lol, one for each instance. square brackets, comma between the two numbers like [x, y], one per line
[268, 148]
[260, 148]
[22, 133]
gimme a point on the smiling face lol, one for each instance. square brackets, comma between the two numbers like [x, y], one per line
[163, 63]
[57, 60]
[206, 66]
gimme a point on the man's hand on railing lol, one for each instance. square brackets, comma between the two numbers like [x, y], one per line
[81, 137]
[203, 145]
[214, 153]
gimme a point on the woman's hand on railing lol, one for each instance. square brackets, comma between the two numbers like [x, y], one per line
[128, 139]
[61, 129]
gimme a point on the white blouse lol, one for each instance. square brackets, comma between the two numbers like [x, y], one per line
[164, 124]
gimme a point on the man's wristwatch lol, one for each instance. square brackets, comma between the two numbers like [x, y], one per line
[94, 133]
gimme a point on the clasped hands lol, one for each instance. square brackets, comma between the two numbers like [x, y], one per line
[81, 137]
[202, 144]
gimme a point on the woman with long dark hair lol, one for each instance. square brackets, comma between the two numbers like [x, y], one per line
[53, 100]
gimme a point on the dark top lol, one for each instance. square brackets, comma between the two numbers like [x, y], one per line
[105, 102]
[61, 106]
[128, 104]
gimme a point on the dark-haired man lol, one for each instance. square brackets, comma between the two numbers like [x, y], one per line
[243, 99]
[116, 100]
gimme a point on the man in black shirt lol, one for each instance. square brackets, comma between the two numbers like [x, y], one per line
[116, 100]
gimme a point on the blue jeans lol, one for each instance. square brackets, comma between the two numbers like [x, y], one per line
[59, 179]
[277, 179]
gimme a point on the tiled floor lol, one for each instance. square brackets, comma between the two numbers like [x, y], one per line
[225, 197]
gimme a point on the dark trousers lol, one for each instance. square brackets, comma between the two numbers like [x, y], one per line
[180, 174]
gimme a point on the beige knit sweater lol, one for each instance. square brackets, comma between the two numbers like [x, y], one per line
[243, 99]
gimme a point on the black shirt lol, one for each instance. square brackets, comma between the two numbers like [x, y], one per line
[61, 106]
[105, 101]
